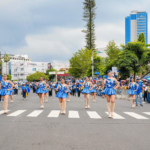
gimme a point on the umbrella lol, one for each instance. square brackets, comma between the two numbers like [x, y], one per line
[105, 76]
[96, 73]
[146, 77]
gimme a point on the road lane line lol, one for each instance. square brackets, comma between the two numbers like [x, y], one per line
[16, 113]
[116, 116]
[147, 113]
[35, 113]
[134, 115]
[73, 114]
[54, 113]
[93, 115]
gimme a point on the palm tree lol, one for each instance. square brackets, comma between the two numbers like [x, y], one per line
[6, 60]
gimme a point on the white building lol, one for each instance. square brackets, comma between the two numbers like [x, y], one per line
[20, 66]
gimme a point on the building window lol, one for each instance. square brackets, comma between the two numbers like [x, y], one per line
[34, 69]
[22, 69]
[21, 74]
[15, 70]
[15, 75]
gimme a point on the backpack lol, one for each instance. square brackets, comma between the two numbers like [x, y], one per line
[24, 90]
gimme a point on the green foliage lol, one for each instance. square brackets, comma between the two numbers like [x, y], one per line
[141, 38]
[89, 16]
[6, 58]
[98, 61]
[50, 76]
[9, 77]
[36, 76]
[80, 62]
[127, 62]
[112, 50]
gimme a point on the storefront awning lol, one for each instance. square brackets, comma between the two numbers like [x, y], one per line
[63, 75]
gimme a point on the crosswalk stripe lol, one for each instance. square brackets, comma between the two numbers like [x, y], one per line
[16, 113]
[93, 115]
[73, 114]
[54, 113]
[116, 116]
[134, 115]
[2, 111]
[35, 113]
[147, 113]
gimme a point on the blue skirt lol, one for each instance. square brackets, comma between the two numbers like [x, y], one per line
[86, 91]
[61, 94]
[109, 91]
[4, 92]
[131, 92]
[93, 91]
[40, 90]
[46, 91]
[69, 91]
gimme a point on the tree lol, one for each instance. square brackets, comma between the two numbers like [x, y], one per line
[139, 55]
[50, 76]
[98, 66]
[36, 76]
[141, 38]
[6, 60]
[89, 16]
[127, 62]
[80, 62]
[112, 50]
[9, 77]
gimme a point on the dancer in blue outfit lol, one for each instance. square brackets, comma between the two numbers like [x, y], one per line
[5, 92]
[110, 92]
[62, 95]
[46, 92]
[41, 90]
[12, 91]
[132, 91]
[94, 92]
[69, 91]
[86, 91]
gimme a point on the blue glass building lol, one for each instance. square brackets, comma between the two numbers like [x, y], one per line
[135, 24]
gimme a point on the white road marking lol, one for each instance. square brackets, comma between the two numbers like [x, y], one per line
[93, 115]
[35, 113]
[147, 113]
[116, 116]
[134, 115]
[73, 114]
[16, 113]
[54, 113]
[2, 111]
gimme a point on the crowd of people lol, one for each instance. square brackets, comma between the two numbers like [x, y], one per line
[105, 87]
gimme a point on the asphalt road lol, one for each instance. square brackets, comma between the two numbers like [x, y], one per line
[26, 127]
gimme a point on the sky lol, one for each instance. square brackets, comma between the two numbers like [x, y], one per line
[50, 30]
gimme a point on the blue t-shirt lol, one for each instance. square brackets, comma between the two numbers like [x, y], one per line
[139, 87]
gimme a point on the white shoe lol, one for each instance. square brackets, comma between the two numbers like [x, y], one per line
[88, 106]
[109, 116]
[94, 101]
[42, 107]
[64, 112]
[112, 114]
[11, 101]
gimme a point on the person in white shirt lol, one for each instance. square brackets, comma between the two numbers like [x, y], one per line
[16, 88]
